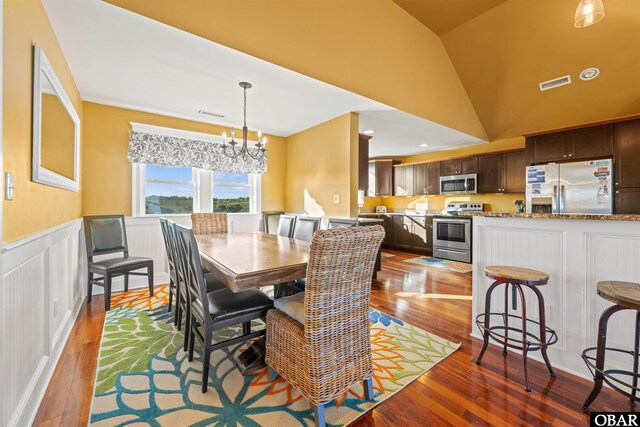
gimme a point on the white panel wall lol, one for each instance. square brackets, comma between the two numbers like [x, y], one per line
[576, 255]
[39, 299]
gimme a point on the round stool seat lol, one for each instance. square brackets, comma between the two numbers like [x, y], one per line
[625, 294]
[517, 275]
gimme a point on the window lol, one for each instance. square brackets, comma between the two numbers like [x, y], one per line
[168, 190]
[231, 192]
[163, 190]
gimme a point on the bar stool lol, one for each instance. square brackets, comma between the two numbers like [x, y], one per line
[625, 296]
[516, 277]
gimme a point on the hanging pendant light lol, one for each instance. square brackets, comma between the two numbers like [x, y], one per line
[232, 150]
[588, 13]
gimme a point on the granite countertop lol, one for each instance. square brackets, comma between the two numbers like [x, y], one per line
[369, 220]
[591, 217]
[429, 213]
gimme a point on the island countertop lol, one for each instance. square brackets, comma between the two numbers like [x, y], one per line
[589, 217]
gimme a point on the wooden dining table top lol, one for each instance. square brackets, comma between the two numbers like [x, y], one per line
[249, 260]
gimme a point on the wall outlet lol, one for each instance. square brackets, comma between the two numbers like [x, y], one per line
[336, 199]
[55, 308]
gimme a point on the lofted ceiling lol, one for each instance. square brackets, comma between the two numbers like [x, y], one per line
[441, 16]
[503, 54]
[124, 59]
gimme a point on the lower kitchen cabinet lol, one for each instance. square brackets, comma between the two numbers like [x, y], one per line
[408, 233]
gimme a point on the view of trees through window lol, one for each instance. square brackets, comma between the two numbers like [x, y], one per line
[171, 191]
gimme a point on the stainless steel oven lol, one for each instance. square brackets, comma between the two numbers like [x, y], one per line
[459, 184]
[452, 238]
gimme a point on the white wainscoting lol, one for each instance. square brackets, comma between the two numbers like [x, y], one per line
[40, 295]
[44, 282]
[576, 255]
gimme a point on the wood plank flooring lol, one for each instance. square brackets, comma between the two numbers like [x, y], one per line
[455, 392]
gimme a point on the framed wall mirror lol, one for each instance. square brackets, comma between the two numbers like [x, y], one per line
[56, 129]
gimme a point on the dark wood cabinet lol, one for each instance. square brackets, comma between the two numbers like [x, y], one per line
[502, 172]
[514, 172]
[363, 162]
[426, 178]
[626, 166]
[408, 232]
[401, 232]
[461, 166]
[627, 201]
[388, 230]
[403, 181]
[420, 236]
[590, 143]
[576, 144]
[491, 173]
[381, 177]
[433, 178]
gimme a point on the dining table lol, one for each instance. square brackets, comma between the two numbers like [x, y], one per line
[246, 261]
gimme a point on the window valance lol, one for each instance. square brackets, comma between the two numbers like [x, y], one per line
[162, 150]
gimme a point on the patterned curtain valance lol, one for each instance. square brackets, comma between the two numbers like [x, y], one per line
[162, 150]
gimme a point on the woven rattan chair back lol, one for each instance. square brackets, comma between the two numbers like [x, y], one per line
[209, 223]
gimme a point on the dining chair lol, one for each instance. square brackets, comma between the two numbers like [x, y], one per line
[304, 229]
[319, 340]
[341, 222]
[171, 262]
[305, 226]
[209, 223]
[210, 311]
[270, 221]
[104, 235]
[286, 224]
[183, 309]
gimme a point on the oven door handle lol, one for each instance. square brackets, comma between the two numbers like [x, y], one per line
[452, 251]
[455, 221]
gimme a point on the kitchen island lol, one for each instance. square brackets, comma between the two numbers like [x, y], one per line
[576, 251]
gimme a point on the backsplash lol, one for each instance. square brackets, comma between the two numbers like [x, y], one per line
[493, 202]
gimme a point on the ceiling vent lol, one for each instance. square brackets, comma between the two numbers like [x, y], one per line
[550, 84]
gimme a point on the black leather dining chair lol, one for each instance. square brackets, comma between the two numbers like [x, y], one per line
[270, 221]
[341, 223]
[286, 224]
[106, 234]
[164, 225]
[210, 311]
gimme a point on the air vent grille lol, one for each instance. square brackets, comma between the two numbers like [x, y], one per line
[550, 84]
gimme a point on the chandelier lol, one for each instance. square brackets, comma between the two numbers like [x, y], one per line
[588, 13]
[233, 149]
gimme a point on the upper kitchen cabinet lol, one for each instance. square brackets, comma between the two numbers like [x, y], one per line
[381, 177]
[627, 155]
[426, 178]
[403, 180]
[363, 162]
[577, 144]
[462, 166]
[502, 172]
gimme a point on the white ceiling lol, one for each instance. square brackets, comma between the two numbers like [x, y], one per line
[124, 59]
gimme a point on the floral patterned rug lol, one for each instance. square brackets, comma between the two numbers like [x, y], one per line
[445, 264]
[144, 377]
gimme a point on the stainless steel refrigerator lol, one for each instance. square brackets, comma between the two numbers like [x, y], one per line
[580, 187]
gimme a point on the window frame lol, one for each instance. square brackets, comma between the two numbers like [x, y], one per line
[203, 185]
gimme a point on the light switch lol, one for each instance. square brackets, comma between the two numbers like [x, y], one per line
[336, 199]
[8, 186]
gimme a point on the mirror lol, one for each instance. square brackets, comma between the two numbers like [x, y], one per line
[56, 129]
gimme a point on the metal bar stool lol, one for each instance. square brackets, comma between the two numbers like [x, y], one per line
[516, 277]
[625, 296]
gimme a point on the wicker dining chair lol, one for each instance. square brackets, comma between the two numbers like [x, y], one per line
[319, 340]
[209, 223]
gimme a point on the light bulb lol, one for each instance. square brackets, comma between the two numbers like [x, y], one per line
[588, 13]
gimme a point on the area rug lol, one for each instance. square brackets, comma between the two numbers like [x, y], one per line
[144, 377]
[445, 264]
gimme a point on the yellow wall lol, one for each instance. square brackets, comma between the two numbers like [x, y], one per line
[493, 202]
[35, 207]
[370, 47]
[322, 161]
[107, 173]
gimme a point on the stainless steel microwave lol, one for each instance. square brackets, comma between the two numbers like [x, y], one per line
[459, 184]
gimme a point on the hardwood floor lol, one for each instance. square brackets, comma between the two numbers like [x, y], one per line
[455, 392]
